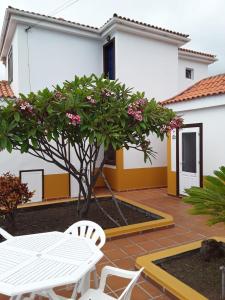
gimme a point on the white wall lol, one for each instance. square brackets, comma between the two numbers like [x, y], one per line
[135, 159]
[213, 119]
[147, 65]
[151, 66]
[15, 162]
[15, 82]
[55, 57]
[200, 72]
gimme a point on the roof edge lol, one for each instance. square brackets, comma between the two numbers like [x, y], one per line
[196, 55]
[172, 100]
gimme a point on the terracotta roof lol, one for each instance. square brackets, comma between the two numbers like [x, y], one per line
[114, 16]
[214, 85]
[53, 18]
[147, 25]
[197, 52]
[5, 90]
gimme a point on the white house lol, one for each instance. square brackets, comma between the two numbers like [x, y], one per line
[198, 148]
[40, 51]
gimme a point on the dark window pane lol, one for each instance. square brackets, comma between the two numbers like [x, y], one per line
[110, 155]
[109, 60]
[189, 73]
[189, 152]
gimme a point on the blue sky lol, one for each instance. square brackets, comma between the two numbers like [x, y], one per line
[203, 20]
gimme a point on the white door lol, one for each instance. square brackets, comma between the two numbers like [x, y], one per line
[189, 158]
[34, 180]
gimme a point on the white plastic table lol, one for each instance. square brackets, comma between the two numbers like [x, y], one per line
[38, 262]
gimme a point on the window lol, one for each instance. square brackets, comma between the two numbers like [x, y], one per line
[109, 59]
[10, 65]
[189, 73]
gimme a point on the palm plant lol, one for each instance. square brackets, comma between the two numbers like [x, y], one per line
[209, 200]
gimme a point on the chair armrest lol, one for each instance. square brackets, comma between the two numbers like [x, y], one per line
[5, 234]
[107, 270]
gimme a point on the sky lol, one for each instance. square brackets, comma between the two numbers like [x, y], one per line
[203, 20]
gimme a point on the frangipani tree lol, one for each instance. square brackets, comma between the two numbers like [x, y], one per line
[85, 115]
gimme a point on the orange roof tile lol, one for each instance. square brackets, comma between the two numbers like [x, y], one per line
[210, 86]
[114, 16]
[5, 90]
[196, 52]
[148, 25]
[50, 17]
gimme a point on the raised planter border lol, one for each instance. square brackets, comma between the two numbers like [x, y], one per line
[167, 220]
[173, 285]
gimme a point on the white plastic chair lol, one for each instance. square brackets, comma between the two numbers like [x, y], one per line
[89, 230]
[5, 234]
[95, 233]
[98, 294]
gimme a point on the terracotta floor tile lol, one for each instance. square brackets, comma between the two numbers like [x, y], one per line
[125, 263]
[134, 250]
[117, 283]
[166, 242]
[150, 245]
[114, 254]
[150, 288]
[123, 242]
[139, 294]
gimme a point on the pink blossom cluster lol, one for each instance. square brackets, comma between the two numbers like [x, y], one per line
[176, 122]
[136, 109]
[74, 118]
[91, 99]
[107, 93]
[25, 106]
[59, 96]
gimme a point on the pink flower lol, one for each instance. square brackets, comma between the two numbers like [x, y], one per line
[136, 109]
[91, 99]
[176, 122]
[138, 116]
[74, 118]
[25, 106]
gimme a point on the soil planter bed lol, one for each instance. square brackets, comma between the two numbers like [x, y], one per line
[59, 216]
[184, 273]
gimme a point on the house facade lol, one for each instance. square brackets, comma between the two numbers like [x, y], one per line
[197, 149]
[41, 51]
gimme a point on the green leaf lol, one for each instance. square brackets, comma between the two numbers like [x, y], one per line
[17, 117]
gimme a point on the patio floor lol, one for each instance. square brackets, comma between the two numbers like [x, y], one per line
[122, 252]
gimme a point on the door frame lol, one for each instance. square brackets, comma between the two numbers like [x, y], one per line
[111, 41]
[200, 126]
[35, 170]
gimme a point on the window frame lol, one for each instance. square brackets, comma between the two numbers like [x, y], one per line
[191, 70]
[105, 46]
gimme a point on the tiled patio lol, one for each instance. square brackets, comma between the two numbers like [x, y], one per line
[122, 252]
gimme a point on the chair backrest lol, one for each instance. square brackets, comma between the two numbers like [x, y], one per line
[90, 230]
[112, 271]
[126, 295]
[5, 234]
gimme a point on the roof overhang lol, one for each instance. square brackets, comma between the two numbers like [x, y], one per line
[118, 24]
[197, 103]
[196, 57]
[14, 17]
